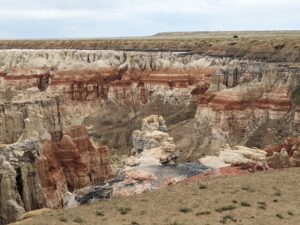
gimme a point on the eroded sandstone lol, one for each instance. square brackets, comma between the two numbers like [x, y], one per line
[60, 108]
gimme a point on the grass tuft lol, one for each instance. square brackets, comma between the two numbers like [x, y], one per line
[226, 218]
[225, 208]
[78, 220]
[185, 210]
[124, 211]
[63, 219]
[99, 213]
[202, 186]
[245, 204]
[279, 216]
[248, 189]
[203, 213]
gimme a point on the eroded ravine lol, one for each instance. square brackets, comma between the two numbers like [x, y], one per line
[62, 112]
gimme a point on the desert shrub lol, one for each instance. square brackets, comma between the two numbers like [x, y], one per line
[185, 210]
[202, 186]
[63, 219]
[228, 217]
[203, 213]
[124, 211]
[248, 189]
[245, 204]
[78, 220]
[99, 213]
[277, 193]
[225, 208]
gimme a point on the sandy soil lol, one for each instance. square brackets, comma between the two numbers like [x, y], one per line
[271, 197]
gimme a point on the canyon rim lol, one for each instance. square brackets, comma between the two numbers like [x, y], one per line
[74, 116]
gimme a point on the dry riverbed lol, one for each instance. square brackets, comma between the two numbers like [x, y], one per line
[271, 197]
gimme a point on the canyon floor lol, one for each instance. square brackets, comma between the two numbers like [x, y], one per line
[270, 197]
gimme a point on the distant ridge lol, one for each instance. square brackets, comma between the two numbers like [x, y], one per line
[227, 33]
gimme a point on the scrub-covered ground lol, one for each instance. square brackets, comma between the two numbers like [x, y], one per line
[269, 46]
[271, 197]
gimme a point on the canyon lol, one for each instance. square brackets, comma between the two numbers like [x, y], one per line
[69, 117]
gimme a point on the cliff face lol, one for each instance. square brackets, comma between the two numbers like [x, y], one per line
[59, 109]
[251, 105]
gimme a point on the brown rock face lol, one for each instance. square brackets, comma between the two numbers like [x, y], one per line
[39, 173]
[73, 161]
[82, 163]
[250, 105]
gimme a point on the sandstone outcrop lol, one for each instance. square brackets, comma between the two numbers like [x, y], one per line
[58, 108]
[249, 104]
[238, 156]
[237, 100]
[279, 159]
[286, 154]
[38, 170]
[152, 144]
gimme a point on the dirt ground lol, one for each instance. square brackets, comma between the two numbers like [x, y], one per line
[262, 198]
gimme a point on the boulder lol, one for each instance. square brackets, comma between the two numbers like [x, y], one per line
[131, 161]
[90, 194]
[237, 156]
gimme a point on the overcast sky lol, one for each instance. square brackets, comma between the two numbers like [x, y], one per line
[113, 18]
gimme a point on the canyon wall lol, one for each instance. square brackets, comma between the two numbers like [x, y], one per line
[62, 112]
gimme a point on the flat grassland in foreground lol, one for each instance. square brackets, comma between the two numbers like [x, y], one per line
[262, 198]
[271, 46]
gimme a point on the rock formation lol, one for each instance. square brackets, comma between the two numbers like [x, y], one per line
[38, 170]
[60, 108]
[152, 144]
[238, 156]
[279, 159]
[249, 104]
[286, 154]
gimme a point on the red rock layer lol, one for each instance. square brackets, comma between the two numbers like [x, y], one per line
[73, 161]
[83, 164]
[278, 100]
[88, 85]
[52, 177]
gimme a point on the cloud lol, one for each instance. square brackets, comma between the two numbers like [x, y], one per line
[94, 18]
[49, 14]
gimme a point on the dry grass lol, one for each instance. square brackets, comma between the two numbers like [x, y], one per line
[187, 204]
[268, 46]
